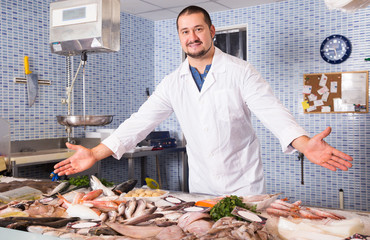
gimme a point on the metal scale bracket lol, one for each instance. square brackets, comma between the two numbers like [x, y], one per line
[24, 81]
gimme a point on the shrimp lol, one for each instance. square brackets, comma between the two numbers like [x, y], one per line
[325, 214]
[308, 214]
[278, 212]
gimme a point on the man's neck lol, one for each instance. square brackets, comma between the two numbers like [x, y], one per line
[201, 63]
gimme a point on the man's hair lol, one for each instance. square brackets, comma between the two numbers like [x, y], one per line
[194, 9]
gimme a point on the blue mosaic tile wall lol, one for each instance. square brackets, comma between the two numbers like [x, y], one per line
[115, 82]
[283, 44]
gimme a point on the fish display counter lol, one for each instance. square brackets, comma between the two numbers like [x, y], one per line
[126, 211]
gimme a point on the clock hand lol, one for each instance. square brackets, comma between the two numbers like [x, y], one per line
[335, 51]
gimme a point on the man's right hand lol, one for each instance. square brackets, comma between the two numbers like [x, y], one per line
[81, 160]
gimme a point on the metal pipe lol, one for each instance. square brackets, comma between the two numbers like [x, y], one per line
[341, 199]
[84, 60]
[69, 76]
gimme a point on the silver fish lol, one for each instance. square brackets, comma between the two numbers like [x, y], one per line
[112, 216]
[130, 208]
[142, 218]
[103, 217]
[61, 186]
[96, 184]
[102, 231]
[150, 204]
[149, 210]
[140, 206]
[121, 209]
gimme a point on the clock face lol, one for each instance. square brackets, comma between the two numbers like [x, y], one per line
[335, 49]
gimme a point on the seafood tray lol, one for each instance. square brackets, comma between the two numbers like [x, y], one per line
[22, 193]
[148, 194]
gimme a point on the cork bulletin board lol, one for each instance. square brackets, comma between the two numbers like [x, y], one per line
[341, 92]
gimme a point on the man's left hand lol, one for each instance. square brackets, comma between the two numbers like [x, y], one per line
[321, 153]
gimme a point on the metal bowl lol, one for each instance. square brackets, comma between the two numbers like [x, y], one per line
[88, 120]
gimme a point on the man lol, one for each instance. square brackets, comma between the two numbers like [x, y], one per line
[212, 95]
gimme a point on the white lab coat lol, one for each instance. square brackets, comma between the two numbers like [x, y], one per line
[223, 150]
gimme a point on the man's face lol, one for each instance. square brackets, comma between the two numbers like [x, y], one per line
[196, 37]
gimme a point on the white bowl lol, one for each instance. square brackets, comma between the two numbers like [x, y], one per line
[151, 199]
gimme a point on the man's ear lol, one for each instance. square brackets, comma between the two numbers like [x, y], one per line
[213, 31]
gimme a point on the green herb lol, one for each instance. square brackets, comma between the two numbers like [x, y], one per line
[226, 205]
[85, 181]
[106, 183]
[79, 181]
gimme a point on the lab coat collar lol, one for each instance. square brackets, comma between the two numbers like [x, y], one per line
[218, 66]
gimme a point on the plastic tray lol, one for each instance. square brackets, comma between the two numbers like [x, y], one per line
[22, 193]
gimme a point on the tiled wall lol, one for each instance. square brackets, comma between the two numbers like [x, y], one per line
[283, 44]
[115, 82]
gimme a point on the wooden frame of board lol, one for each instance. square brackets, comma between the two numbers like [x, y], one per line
[353, 99]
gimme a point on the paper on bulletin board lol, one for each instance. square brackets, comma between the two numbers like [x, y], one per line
[305, 105]
[325, 109]
[323, 80]
[311, 108]
[325, 97]
[312, 97]
[339, 106]
[307, 89]
[353, 91]
[333, 87]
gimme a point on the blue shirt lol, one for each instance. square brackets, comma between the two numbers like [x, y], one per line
[199, 78]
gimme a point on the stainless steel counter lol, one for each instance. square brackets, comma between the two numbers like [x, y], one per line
[143, 156]
[43, 151]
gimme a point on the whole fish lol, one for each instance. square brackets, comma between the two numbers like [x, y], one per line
[121, 209]
[103, 217]
[78, 210]
[112, 216]
[140, 206]
[130, 208]
[96, 184]
[135, 231]
[104, 206]
[125, 187]
[142, 218]
[92, 195]
[102, 231]
[61, 187]
[22, 225]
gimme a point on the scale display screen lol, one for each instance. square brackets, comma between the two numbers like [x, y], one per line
[75, 15]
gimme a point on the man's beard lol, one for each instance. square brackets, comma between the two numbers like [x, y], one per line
[201, 53]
